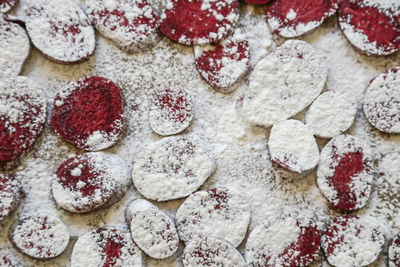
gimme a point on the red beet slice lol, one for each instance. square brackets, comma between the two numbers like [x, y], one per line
[290, 241]
[22, 115]
[352, 241]
[89, 113]
[10, 195]
[223, 64]
[172, 167]
[292, 18]
[171, 111]
[60, 30]
[394, 252]
[382, 101]
[6, 5]
[40, 237]
[149, 226]
[214, 212]
[91, 181]
[197, 22]
[109, 246]
[211, 251]
[346, 172]
[131, 25]
[372, 26]
[257, 2]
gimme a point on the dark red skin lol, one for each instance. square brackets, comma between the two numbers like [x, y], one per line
[307, 11]
[94, 105]
[7, 4]
[379, 27]
[395, 260]
[186, 15]
[257, 2]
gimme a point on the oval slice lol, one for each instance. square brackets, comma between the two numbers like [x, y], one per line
[172, 167]
[284, 83]
[91, 181]
[198, 22]
[40, 237]
[152, 230]
[346, 172]
[394, 252]
[10, 194]
[108, 246]
[214, 212]
[89, 113]
[131, 25]
[6, 5]
[60, 30]
[8, 258]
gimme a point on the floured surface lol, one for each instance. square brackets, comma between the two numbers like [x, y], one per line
[241, 149]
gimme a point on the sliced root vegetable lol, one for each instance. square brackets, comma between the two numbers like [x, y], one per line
[394, 252]
[10, 195]
[6, 5]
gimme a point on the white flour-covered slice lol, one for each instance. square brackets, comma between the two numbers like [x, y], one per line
[371, 26]
[331, 114]
[352, 241]
[223, 64]
[131, 24]
[382, 101]
[8, 258]
[14, 48]
[172, 167]
[284, 83]
[394, 252]
[346, 172]
[171, 111]
[214, 212]
[108, 246]
[60, 30]
[152, 230]
[91, 181]
[293, 147]
[211, 251]
[6, 5]
[284, 241]
[10, 194]
[40, 236]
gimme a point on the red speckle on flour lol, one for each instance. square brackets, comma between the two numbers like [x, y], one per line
[175, 105]
[112, 250]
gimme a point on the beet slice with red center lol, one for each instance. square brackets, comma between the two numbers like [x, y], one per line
[108, 246]
[89, 113]
[371, 26]
[10, 195]
[394, 252]
[346, 172]
[352, 241]
[6, 5]
[292, 18]
[284, 241]
[197, 22]
[223, 64]
[22, 115]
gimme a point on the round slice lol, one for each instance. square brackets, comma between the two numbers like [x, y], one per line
[352, 241]
[210, 251]
[346, 172]
[91, 181]
[10, 194]
[8, 258]
[222, 65]
[372, 26]
[6, 5]
[394, 252]
[293, 147]
[14, 48]
[22, 115]
[171, 111]
[60, 30]
[171, 168]
[292, 18]
[257, 2]
[152, 230]
[89, 113]
[131, 25]
[288, 241]
[382, 101]
[40, 237]
[284, 83]
[214, 212]
[197, 22]
[106, 247]
[331, 114]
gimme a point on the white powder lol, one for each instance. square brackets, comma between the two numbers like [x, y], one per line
[284, 83]
[394, 252]
[10, 195]
[6, 5]
[8, 258]
[331, 114]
